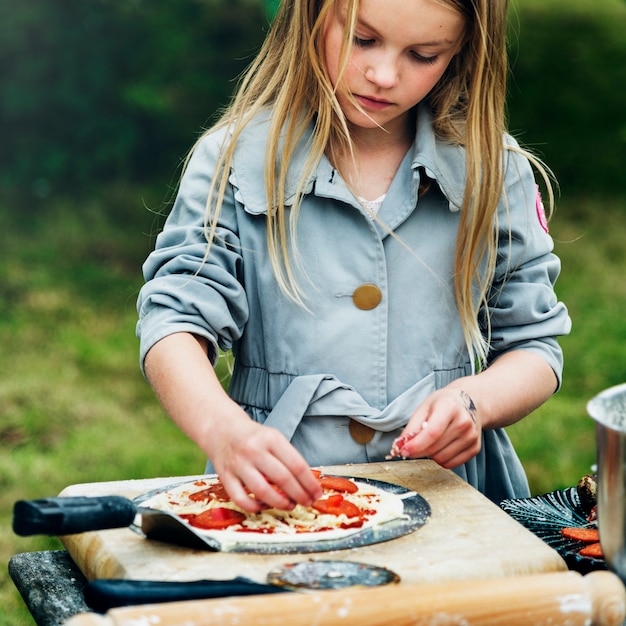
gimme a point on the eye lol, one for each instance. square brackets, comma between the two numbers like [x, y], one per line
[426, 60]
[362, 42]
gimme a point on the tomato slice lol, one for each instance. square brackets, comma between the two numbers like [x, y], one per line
[216, 492]
[592, 550]
[335, 500]
[349, 509]
[214, 519]
[588, 535]
[330, 504]
[338, 483]
[336, 505]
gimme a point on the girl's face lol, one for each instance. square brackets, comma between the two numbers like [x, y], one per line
[400, 51]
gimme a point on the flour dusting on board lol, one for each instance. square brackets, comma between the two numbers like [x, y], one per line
[575, 603]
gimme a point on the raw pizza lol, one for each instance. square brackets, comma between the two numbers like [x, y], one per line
[346, 507]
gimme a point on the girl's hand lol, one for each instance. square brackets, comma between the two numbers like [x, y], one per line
[249, 458]
[255, 459]
[446, 427]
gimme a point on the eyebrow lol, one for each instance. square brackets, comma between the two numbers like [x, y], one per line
[435, 44]
[427, 44]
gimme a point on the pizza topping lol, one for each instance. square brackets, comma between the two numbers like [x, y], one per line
[336, 505]
[346, 506]
[338, 483]
[399, 445]
[216, 492]
[213, 519]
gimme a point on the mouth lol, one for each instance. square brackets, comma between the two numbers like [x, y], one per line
[369, 102]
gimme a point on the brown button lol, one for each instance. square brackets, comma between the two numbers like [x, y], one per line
[367, 297]
[360, 432]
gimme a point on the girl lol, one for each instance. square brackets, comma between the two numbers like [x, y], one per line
[363, 234]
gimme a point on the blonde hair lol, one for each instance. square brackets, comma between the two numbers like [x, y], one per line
[289, 78]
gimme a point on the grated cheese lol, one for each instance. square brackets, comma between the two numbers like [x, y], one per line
[274, 525]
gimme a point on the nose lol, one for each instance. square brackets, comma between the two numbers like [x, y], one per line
[383, 70]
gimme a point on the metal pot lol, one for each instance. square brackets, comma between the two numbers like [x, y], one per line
[608, 409]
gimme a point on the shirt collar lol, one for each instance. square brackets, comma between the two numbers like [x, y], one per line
[442, 161]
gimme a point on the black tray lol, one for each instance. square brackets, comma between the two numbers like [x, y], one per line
[546, 515]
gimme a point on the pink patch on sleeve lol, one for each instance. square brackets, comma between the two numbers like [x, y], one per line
[541, 212]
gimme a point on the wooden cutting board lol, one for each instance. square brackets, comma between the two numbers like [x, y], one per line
[467, 537]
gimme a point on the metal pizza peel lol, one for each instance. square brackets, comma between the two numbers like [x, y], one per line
[69, 515]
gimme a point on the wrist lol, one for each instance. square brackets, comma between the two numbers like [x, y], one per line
[469, 404]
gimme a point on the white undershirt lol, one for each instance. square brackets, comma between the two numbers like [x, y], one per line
[372, 206]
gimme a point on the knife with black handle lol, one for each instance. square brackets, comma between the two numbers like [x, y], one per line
[104, 594]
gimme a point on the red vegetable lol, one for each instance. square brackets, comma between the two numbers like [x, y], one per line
[217, 492]
[338, 483]
[336, 505]
[215, 519]
[588, 535]
[593, 550]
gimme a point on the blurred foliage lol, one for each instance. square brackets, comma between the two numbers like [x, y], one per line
[271, 6]
[101, 90]
[566, 102]
[96, 91]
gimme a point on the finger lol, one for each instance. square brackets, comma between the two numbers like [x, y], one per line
[269, 494]
[400, 445]
[261, 471]
[278, 478]
[410, 442]
[455, 451]
[430, 438]
[310, 484]
[451, 457]
[291, 475]
[445, 450]
[240, 494]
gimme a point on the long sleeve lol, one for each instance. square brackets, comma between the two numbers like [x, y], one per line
[184, 290]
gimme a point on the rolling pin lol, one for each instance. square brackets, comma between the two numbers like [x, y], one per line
[554, 599]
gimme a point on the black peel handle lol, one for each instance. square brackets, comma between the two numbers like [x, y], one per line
[66, 516]
[104, 594]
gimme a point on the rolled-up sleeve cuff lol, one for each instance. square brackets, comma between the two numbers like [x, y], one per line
[159, 324]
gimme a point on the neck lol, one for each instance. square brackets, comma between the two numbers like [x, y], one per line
[396, 136]
[377, 156]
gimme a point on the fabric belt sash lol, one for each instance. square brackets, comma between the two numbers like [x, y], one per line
[320, 394]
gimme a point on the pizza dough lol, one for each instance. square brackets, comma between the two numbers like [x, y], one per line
[338, 514]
